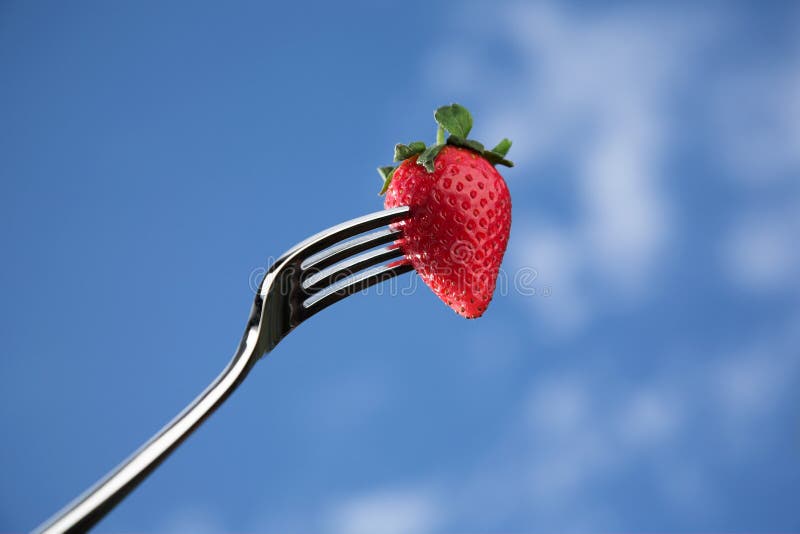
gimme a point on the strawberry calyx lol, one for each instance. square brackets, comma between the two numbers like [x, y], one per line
[456, 120]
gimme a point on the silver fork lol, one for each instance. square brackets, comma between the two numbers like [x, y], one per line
[311, 276]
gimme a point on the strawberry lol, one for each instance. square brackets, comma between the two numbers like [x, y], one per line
[460, 219]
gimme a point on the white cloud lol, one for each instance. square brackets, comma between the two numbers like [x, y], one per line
[577, 432]
[591, 90]
[625, 211]
[761, 252]
[558, 264]
[558, 406]
[197, 520]
[756, 114]
[752, 383]
[578, 435]
[595, 92]
[649, 417]
[387, 512]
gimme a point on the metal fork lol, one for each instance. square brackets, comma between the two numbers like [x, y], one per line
[311, 276]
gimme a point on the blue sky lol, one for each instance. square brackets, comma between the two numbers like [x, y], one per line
[153, 156]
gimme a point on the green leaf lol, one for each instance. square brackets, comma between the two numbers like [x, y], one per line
[386, 172]
[386, 175]
[427, 158]
[402, 151]
[466, 143]
[455, 119]
[492, 156]
[496, 159]
[502, 147]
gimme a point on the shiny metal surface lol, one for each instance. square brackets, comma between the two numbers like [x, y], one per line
[305, 280]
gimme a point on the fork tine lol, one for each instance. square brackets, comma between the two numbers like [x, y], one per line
[337, 253]
[341, 270]
[346, 230]
[344, 288]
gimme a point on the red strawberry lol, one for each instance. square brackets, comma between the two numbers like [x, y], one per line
[460, 211]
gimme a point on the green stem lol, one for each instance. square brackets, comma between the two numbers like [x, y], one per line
[440, 136]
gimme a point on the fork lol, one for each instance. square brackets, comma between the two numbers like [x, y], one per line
[318, 272]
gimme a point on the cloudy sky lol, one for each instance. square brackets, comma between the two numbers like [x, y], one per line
[639, 370]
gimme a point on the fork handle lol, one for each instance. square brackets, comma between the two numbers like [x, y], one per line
[90, 507]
